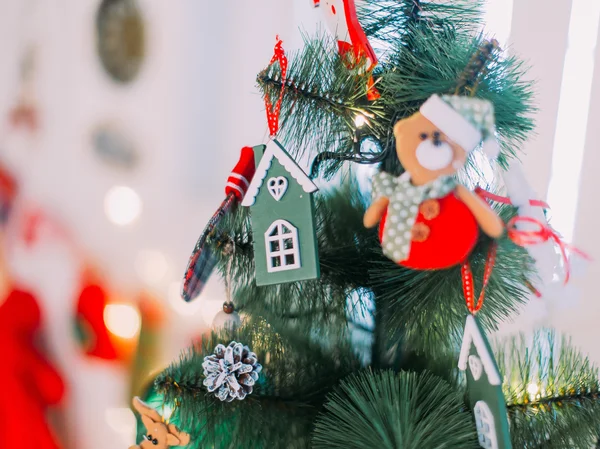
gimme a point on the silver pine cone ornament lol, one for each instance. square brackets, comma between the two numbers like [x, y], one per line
[231, 371]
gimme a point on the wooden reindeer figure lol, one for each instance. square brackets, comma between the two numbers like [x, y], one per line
[160, 434]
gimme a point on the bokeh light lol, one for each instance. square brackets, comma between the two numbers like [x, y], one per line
[123, 320]
[122, 205]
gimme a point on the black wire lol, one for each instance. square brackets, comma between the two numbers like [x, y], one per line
[358, 156]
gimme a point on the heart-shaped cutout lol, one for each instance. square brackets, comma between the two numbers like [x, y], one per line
[277, 187]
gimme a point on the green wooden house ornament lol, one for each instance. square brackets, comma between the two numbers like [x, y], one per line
[281, 202]
[484, 384]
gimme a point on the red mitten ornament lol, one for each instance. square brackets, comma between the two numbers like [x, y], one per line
[428, 221]
[30, 382]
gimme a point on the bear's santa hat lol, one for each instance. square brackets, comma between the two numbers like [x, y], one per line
[467, 121]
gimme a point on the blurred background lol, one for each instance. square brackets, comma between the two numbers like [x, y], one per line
[119, 123]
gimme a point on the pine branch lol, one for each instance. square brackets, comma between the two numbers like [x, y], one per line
[390, 410]
[552, 391]
[430, 306]
[297, 374]
[388, 20]
[321, 100]
[303, 92]
[548, 403]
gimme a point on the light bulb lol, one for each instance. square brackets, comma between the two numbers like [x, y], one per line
[122, 205]
[360, 120]
[533, 389]
[122, 320]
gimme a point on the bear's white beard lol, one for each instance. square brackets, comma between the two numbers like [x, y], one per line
[433, 157]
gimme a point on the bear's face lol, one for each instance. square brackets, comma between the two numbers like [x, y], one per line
[426, 152]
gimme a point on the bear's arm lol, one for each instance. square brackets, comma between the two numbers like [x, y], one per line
[375, 212]
[488, 220]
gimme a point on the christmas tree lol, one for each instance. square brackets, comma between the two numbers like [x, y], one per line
[373, 353]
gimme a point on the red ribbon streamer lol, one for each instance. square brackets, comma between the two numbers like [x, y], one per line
[273, 112]
[505, 200]
[541, 234]
[467, 280]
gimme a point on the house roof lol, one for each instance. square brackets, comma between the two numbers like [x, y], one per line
[275, 150]
[473, 335]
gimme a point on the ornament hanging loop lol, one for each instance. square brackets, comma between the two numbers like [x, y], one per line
[477, 67]
[273, 111]
[467, 281]
[229, 252]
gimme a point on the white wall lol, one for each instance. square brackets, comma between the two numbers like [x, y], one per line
[192, 108]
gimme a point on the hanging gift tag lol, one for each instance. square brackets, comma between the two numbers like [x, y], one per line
[281, 201]
[484, 384]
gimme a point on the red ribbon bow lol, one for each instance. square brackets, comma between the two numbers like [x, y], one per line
[273, 112]
[542, 233]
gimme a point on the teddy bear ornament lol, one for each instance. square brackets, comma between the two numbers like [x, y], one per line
[426, 219]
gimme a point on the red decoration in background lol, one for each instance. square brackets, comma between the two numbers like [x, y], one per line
[91, 328]
[26, 116]
[8, 193]
[30, 382]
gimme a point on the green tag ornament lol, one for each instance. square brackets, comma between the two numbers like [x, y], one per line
[485, 387]
[280, 198]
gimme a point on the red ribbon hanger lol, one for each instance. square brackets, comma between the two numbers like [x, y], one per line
[273, 112]
[467, 274]
[467, 280]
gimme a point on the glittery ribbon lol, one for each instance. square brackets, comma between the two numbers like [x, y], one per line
[274, 111]
[542, 233]
[467, 280]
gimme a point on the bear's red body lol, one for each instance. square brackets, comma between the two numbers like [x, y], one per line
[29, 383]
[453, 234]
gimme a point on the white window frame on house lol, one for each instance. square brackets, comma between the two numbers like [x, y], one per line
[281, 252]
[486, 426]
